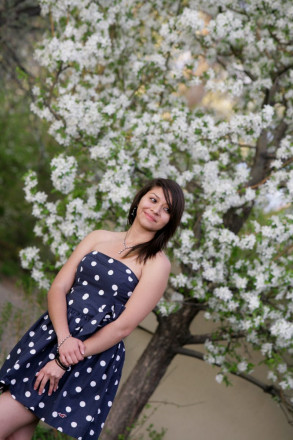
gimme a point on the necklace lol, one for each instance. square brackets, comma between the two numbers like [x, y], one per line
[124, 245]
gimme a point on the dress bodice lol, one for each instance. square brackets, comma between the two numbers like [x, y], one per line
[100, 281]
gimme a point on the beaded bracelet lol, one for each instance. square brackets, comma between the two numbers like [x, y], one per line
[63, 340]
[59, 363]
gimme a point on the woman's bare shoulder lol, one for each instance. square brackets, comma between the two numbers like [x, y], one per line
[160, 261]
[100, 237]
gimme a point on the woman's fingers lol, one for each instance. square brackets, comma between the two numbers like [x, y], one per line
[38, 380]
[72, 351]
[81, 348]
[51, 373]
[43, 384]
[53, 383]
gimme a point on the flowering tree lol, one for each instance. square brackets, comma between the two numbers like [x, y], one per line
[113, 71]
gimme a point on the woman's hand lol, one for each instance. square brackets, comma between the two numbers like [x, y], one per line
[71, 351]
[50, 372]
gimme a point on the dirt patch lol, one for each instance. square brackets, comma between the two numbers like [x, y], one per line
[18, 311]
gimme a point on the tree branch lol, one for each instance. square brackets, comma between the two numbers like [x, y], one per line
[201, 339]
[268, 389]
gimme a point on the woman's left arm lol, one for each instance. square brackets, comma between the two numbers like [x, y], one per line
[144, 298]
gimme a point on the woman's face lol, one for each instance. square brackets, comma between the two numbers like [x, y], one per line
[153, 211]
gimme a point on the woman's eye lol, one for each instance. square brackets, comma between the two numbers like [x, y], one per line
[152, 199]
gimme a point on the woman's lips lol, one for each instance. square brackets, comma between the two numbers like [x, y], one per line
[151, 218]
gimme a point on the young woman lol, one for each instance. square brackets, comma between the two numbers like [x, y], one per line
[66, 368]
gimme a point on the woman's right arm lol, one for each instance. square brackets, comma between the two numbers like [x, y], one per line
[72, 350]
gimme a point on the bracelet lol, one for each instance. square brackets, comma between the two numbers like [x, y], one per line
[63, 340]
[59, 363]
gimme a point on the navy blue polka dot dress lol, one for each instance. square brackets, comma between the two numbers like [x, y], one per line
[81, 404]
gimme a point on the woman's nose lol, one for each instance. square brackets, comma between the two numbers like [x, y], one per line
[156, 209]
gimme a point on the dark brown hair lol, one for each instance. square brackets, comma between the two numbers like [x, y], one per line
[175, 200]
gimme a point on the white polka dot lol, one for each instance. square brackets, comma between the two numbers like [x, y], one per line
[85, 310]
[93, 263]
[51, 356]
[8, 357]
[54, 414]
[93, 383]
[102, 425]
[101, 292]
[73, 424]
[129, 293]
[70, 302]
[99, 411]
[85, 296]
[110, 272]
[85, 283]
[19, 350]
[92, 432]
[50, 332]
[28, 365]
[89, 370]
[111, 260]
[104, 377]
[94, 252]
[59, 429]
[16, 366]
[13, 396]
[102, 363]
[118, 358]
[89, 418]
[13, 381]
[78, 389]
[82, 403]
[116, 382]
[109, 403]
[25, 379]
[97, 277]
[114, 287]
[68, 409]
[93, 322]
[128, 271]
[81, 268]
[130, 279]
[41, 404]
[46, 317]
[31, 334]
[32, 408]
[44, 327]
[77, 320]
[97, 397]
[64, 393]
[31, 344]
[76, 374]
[33, 351]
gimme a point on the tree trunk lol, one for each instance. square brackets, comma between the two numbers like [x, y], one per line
[172, 332]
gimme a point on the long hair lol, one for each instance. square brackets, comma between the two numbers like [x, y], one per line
[175, 200]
